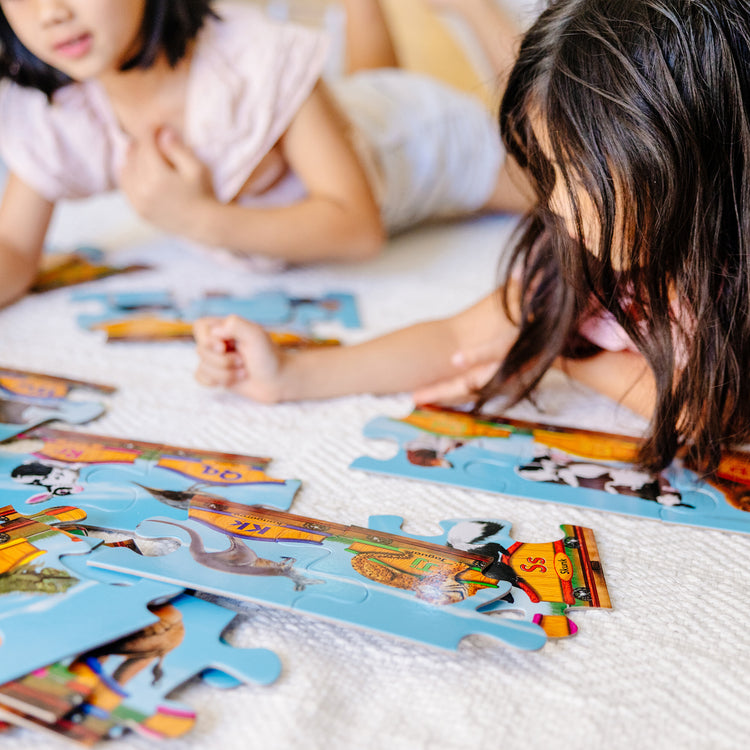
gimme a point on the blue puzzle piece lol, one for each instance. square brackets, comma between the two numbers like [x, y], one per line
[492, 537]
[202, 648]
[211, 563]
[115, 305]
[17, 416]
[293, 571]
[130, 481]
[336, 306]
[525, 466]
[197, 625]
[87, 611]
[266, 308]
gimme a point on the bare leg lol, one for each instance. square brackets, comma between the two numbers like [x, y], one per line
[496, 31]
[368, 38]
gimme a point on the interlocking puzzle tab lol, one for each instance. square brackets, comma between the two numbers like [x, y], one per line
[157, 316]
[432, 591]
[584, 468]
[28, 399]
[119, 482]
[77, 267]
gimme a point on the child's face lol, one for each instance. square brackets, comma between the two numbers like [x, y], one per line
[561, 204]
[81, 38]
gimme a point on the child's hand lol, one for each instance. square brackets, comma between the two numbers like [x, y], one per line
[239, 355]
[476, 366]
[164, 181]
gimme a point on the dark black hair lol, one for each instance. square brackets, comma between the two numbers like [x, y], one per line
[644, 107]
[168, 26]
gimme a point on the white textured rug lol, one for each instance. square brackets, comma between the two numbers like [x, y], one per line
[668, 667]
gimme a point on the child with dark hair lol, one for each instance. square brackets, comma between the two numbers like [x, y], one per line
[631, 119]
[214, 122]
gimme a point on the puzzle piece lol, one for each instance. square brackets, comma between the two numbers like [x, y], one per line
[583, 468]
[28, 399]
[120, 482]
[156, 316]
[133, 675]
[47, 694]
[276, 308]
[40, 597]
[77, 267]
[395, 584]
[117, 304]
[546, 579]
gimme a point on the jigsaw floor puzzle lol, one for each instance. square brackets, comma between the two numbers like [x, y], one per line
[559, 464]
[664, 667]
[144, 523]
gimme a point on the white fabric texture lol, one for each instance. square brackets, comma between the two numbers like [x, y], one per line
[431, 151]
[668, 667]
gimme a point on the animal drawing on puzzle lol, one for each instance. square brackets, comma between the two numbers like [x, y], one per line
[76, 267]
[156, 316]
[119, 482]
[28, 399]
[430, 590]
[41, 596]
[129, 679]
[561, 464]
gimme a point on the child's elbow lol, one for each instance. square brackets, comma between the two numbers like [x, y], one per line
[368, 239]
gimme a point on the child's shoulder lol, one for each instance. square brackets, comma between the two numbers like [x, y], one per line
[52, 145]
[244, 32]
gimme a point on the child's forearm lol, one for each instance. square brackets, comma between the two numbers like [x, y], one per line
[314, 229]
[407, 359]
[24, 218]
[17, 274]
[622, 376]
[396, 362]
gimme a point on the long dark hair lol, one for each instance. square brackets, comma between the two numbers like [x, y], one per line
[168, 26]
[644, 106]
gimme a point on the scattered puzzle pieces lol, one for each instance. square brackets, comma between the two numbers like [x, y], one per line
[119, 482]
[40, 597]
[129, 679]
[584, 468]
[156, 316]
[28, 399]
[77, 267]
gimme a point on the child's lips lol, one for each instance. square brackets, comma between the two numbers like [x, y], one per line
[74, 47]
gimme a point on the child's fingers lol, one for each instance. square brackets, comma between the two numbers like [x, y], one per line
[219, 372]
[174, 150]
[209, 335]
[220, 360]
[457, 390]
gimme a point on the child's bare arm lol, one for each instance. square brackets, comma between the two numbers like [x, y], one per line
[24, 219]
[623, 376]
[338, 219]
[404, 360]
